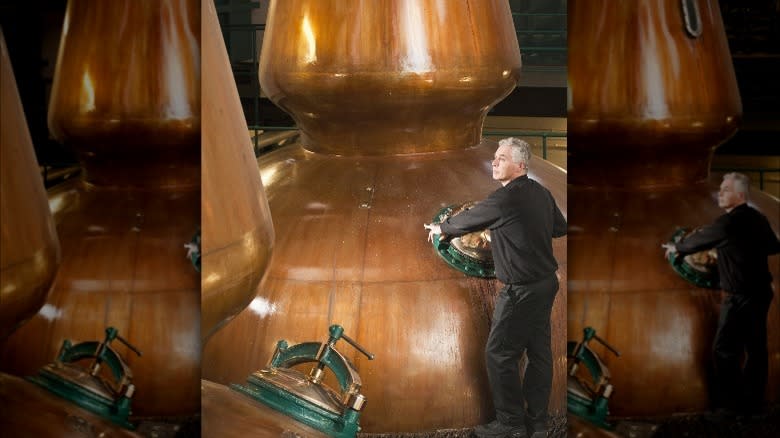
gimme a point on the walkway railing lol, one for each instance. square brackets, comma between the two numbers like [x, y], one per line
[543, 135]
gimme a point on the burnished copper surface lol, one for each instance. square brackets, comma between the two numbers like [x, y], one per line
[237, 229]
[126, 87]
[29, 249]
[621, 285]
[378, 76]
[236, 415]
[372, 271]
[28, 410]
[126, 97]
[647, 101]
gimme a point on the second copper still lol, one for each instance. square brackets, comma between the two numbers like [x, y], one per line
[653, 93]
[125, 97]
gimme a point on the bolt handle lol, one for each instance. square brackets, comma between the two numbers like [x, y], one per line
[130, 346]
[103, 348]
[337, 332]
[358, 347]
[111, 334]
[590, 333]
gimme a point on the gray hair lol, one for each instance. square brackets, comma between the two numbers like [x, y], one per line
[741, 182]
[520, 149]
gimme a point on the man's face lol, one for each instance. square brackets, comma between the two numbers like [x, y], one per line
[728, 198]
[504, 170]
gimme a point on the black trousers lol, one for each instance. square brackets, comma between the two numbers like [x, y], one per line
[741, 340]
[521, 323]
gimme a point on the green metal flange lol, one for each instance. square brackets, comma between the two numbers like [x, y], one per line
[303, 397]
[595, 412]
[457, 259]
[338, 425]
[687, 272]
[581, 400]
[82, 387]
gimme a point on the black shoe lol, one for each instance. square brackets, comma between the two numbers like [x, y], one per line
[536, 428]
[497, 429]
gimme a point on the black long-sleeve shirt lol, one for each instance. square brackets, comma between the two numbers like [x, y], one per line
[743, 240]
[523, 219]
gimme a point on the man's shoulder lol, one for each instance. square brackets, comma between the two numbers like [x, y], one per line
[532, 187]
[747, 212]
[748, 220]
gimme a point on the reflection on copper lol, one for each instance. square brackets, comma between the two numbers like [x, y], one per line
[49, 312]
[416, 56]
[262, 307]
[310, 47]
[87, 94]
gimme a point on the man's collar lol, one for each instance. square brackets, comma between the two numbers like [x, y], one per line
[740, 206]
[518, 179]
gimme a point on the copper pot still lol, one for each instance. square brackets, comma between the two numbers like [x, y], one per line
[30, 250]
[652, 94]
[390, 97]
[238, 234]
[126, 98]
[29, 258]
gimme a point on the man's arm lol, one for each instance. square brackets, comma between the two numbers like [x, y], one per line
[478, 217]
[704, 238]
[559, 222]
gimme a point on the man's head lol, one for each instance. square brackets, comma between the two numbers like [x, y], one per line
[733, 191]
[511, 159]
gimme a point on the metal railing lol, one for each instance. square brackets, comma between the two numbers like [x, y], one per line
[256, 130]
[508, 132]
[536, 53]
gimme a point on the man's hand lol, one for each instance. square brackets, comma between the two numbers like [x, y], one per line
[433, 229]
[671, 250]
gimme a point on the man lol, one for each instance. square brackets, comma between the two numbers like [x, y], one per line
[743, 240]
[523, 219]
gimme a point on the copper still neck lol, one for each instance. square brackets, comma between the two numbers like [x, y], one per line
[126, 92]
[652, 92]
[388, 77]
